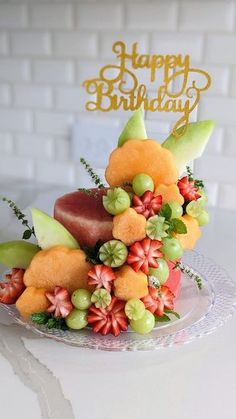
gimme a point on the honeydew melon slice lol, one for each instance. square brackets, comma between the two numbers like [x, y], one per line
[191, 144]
[17, 253]
[134, 129]
[49, 232]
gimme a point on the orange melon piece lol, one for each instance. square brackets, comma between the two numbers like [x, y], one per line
[138, 156]
[58, 266]
[129, 226]
[188, 240]
[169, 193]
[130, 284]
[33, 300]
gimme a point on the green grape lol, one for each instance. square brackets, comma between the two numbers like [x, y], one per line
[81, 299]
[162, 272]
[194, 208]
[142, 183]
[204, 197]
[77, 319]
[176, 209]
[134, 309]
[171, 248]
[145, 324]
[116, 201]
[204, 218]
[101, 298]
[113, 253]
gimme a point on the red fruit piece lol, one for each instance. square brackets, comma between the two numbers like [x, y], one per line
[153, 302]
[84, 216]
[143, 254]
[187, 189]
[147, 204]
[14, 286]
[102, 276]
[109, 320]
[61, 304]
[157, 300]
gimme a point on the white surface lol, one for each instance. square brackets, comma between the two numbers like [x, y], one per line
[48, 48]
[195, 381]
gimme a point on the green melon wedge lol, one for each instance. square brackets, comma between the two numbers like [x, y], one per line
[49, 232]
[134, 129]
[17, 253]
[191, 144]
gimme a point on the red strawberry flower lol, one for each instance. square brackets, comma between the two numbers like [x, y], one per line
[143, 254]
[147, 204]
[157, 300]
[61, 305]
[12, 288]
[188, 189]
[108, 320]
[101, 276]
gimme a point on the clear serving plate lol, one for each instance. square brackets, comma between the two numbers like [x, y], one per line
[201, 311]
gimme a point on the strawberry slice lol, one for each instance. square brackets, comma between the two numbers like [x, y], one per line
[158, 300]
[187, 189]
[102, 276]
[143, 254]
[167, 297]
[61, 304]
[147, 204]
[108, 320]
[12, 288]
[153, 302]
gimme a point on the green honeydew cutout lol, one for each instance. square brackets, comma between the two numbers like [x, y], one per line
[113, 253]
[17, 253]
[134, 129]
[49, 232]
[190, 145]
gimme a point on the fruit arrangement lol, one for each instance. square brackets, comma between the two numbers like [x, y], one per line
[110, 257]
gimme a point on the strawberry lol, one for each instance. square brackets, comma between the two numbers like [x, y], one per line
[147, 204]
[11, 290]
[188, 189]
[101, 276]
[167, 297]
[108, 320]
[153, 302]
[158, 300]
[143, 254]
[61, 304]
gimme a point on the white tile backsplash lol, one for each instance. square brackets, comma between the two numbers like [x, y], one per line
[49, 47]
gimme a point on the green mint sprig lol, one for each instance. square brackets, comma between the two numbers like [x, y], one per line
[95, 178]
[21, 217]
[175, 224]
[190, 273]
[46, 319]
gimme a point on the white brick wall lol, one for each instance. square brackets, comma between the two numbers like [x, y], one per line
[48, 48]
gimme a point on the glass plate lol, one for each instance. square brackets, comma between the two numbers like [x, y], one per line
[202, 312]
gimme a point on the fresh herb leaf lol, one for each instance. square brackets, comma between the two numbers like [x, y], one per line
[95, 178]
[27, 234]
[40, 318]
[163, 318]
[178, 226]
[92, 253]
[165, 211]
[197, 182]
[174, 313]
[20, 216]
[57, 323]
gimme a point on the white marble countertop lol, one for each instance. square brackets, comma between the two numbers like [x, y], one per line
[41, 378]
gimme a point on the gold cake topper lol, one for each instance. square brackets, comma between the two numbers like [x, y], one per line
[117, 86]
